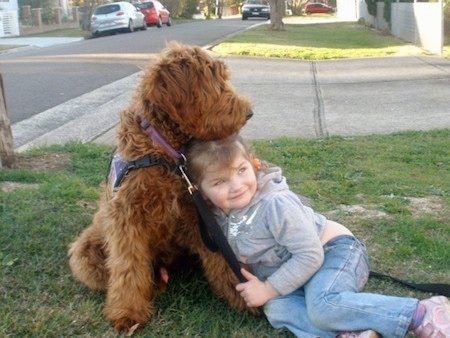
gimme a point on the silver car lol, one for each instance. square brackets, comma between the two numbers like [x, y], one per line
[117, 16]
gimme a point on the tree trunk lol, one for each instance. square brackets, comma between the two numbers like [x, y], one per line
[7, 158]
[277, 11]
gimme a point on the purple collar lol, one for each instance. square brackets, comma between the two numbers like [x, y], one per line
[159, 139]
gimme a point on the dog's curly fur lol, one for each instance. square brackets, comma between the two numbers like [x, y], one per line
[151, 219]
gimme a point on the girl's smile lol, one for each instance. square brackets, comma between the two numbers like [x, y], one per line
[230, 188]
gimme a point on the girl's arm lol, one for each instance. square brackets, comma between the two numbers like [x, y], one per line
[293, 226]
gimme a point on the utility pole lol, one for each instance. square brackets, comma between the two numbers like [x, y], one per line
[7, 158]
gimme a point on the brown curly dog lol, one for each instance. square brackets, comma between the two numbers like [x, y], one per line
[150, 218]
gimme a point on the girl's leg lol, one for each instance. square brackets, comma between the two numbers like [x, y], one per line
[289, 312]
[334, 300]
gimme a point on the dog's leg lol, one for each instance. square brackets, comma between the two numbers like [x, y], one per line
[131, 287]
[222, 280]
[216, 269]
[87, 256]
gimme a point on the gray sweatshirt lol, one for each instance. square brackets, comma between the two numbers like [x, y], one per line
[276, 235]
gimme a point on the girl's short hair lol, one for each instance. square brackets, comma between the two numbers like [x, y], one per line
[201, 154]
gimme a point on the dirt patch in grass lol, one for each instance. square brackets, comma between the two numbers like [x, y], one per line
[357, 211]
[425, 205]
[417, 205]
[42, 162]
[11, 186]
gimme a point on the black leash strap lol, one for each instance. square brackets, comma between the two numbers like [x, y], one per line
[204, 233]
[216, 234]
[211, 233]
[437, 288]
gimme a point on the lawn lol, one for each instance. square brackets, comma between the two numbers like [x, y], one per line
[308, 42]
[316, 42]
[320, 41]
[392, 191]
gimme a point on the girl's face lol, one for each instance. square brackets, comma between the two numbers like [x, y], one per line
[229, 188]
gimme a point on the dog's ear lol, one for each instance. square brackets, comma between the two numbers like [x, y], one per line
[218, 70]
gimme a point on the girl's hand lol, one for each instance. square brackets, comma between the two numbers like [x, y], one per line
[254, 292]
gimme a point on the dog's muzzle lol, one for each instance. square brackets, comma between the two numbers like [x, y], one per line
[249, 114]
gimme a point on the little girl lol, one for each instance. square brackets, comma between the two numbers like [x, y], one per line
[305, 270]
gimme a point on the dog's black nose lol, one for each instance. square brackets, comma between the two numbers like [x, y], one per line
[249, 114]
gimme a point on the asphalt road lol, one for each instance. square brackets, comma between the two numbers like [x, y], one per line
[37, 79]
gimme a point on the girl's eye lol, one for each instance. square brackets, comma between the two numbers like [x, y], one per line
[216, 183]
[242, 170]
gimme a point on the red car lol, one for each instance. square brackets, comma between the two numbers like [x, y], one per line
[316, 7]
[156, 14]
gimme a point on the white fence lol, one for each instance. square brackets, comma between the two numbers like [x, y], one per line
[420, 22]
[9, 23]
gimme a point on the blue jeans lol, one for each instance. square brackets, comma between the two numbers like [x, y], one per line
[332, 301]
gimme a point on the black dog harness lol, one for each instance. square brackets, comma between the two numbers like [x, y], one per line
[119, 169]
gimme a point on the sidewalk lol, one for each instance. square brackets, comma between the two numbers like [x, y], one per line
[37, 42]
[291, 98]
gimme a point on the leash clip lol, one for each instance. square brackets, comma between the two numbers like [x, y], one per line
[191, 187]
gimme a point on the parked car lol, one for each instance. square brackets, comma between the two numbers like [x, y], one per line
[156, 14]
[117, 16]
[255, 9]
[316, 7]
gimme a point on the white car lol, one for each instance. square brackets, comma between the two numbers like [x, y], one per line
[117, 16]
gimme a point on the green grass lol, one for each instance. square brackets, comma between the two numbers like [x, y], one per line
[66, 33]
[381, 174]
[315, 42]
[307, 42]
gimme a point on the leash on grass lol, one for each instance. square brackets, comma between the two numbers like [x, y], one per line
[436, 288]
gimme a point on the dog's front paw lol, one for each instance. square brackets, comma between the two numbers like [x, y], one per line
[126, 322]
[126, 326]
